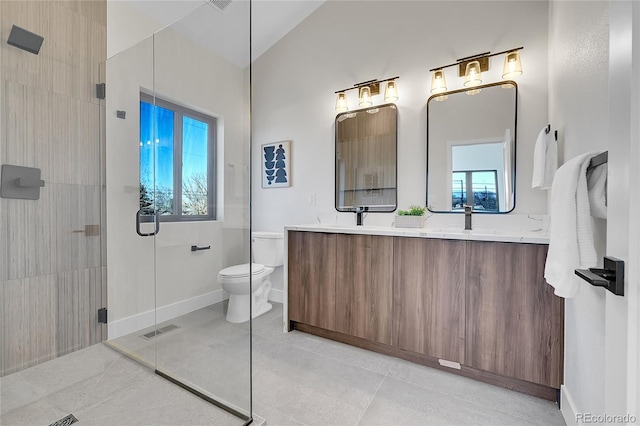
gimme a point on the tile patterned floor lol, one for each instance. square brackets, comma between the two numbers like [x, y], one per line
[298, 379]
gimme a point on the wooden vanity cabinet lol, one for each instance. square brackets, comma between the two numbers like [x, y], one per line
[428, 298]
[364, 286]
[514, 321]
[312, 278]
[484, 305]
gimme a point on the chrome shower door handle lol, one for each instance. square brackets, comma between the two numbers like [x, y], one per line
[157, 222]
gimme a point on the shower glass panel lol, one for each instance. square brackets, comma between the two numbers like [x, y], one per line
[51, 260]
[130, 189]
[183, 175]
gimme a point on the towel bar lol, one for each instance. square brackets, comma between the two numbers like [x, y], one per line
[598, 160]
[610, 277]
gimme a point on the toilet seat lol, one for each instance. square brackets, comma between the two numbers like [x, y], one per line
[242, 271]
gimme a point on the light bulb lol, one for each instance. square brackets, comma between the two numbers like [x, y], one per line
[391, 91]
[365, 96]
[473, 75]
[341, 102]
[512, 65]
[438, 82]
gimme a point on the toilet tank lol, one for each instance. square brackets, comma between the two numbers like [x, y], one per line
[268, 248]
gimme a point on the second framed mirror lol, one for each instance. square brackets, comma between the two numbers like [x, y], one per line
[471, 149]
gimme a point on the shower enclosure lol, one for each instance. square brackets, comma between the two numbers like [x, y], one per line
[177, 158]
[52, 244]
[155, 162]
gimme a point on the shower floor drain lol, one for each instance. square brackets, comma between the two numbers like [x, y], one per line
[163, 330]
[69, 420]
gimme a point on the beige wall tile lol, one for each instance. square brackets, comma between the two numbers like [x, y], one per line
[14, 326]
[42, 309]
[52, 278]
[77, 309]
[4, 241]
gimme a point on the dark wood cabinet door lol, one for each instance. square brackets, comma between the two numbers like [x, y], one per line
[514, 321]
[428, 297]
[312, 278]
[364, 286]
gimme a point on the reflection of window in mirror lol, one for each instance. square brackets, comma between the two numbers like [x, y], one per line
[177, 165]
[476, 165]
[484, 190]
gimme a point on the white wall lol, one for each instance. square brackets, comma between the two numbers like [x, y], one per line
[633, 287]
[294, 84]
[578, 108]
[339, 45]
[593, 100]
[621, 329]
[187, 74]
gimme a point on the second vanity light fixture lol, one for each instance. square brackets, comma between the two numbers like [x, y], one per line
[366, 90]
[472, 67]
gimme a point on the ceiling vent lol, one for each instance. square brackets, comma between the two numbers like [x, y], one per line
[220, 4]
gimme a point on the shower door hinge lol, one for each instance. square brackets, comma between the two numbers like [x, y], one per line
[102, 315]
[101, 90]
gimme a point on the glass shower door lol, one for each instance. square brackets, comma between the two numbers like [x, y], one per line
[190, 121]
[201, 101]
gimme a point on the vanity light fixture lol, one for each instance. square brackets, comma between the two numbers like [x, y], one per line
[438, 82]
[512, 65]
[341, 102]
[473, 77]
[472, 74]
[472, 67]
[391, 92]
[439, 85]
[365, 96]
[366, 90]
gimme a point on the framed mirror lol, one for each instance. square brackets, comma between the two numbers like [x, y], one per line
[366, 153]
[471, 149]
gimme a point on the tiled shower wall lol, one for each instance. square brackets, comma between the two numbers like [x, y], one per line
[52, 260]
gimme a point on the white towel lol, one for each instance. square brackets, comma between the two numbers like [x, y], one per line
[571, 237]
[597, 187]
[545, 160]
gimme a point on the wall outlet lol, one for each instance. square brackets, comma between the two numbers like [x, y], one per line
[312, 199]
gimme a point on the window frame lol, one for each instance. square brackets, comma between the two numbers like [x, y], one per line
[469, 184]
[179, 112]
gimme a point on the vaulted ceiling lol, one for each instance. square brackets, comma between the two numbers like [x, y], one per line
[225, 30]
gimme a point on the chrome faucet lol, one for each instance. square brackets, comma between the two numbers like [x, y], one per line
[467, 217]
[359, 211]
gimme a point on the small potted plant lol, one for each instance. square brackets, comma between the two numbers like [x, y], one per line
[412, 218]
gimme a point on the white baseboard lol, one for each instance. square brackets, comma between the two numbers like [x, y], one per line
[276, 296]
[567, 407]
[146, 319]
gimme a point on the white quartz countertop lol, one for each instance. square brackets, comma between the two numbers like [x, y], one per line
[529, 236]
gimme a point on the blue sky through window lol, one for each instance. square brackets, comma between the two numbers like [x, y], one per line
[157, 144]
[194, 147]
[160, 144]
[194, 165]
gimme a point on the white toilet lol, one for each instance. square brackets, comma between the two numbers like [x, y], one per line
[268, 252]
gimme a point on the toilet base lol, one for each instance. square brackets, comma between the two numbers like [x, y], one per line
[238, 309]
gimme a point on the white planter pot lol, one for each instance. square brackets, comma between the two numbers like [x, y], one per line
[406, 221]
